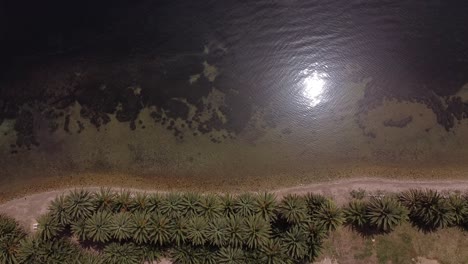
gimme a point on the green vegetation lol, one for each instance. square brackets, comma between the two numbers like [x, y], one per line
[11, 236]
[194, 228]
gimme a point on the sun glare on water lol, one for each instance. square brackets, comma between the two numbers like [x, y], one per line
[313, 88]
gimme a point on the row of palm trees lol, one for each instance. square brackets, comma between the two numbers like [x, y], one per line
[194, 228]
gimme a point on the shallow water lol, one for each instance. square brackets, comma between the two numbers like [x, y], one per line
[234, 94]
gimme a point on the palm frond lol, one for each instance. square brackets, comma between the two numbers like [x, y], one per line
[234, 229]
[154, 202]
[57, 209]
[274, 252]
[256, 231]
[11, 235]
[227, 204]
[121, 226]
[98, 227]
[180, 228]
[293, 208]
[78, 229]
[217, 232]
[171, 205]
[245, 205]
[48, 227]
[140, 203]
[385, 214]
[229, 255]
[197, 230]
[210, 206]
[79, 204]
[314, 202]
[140, 227]
[355, 214]
[160, 229]
[104, 199]
[126, 253]
[329, 216]
[295, 242]
[122, 201]
[190, 203]
[265, 205]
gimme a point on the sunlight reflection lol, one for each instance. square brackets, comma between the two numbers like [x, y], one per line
[313, 88]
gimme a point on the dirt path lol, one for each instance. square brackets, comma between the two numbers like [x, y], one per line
[28, 208]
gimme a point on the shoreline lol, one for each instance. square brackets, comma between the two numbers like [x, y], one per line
[27, 208]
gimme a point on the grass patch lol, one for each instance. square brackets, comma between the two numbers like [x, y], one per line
[366, 252]
[394, 249]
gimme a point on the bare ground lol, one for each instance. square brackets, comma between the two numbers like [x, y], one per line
[28, 208]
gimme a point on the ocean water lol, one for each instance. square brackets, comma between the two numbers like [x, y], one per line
[231, 94]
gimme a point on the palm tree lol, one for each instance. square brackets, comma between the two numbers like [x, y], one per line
[210, 206]
[126, 253]
[410, 198]
[29, 251]
[179, 235]
[253, 256]
[208, 255]
[314, 202]
[234, 229]
[293, 208]
[88, 258]
[171, 205]
[104, 199]
[314, 249]
[160, 229]
[274, 252]
[328, 216]
[295, 242]
[48, 227]
[154, 202]
[78, 229]
[459, 207]
[245, 205]
[230, 255]
[385, 214]
[355, 214]
[36, 250]
[79, 204]
[11, 235]
[57, 209]
[151, 253]
[217, 232]
[140, 227]
[265, 205]
[98, 227]
[228, 205]
[186, 255]
[121, 226]
[122, 201]
[190, 203]
[197, 230]
[315, 236]
[139, 203]
[256, 231]
[432, 211]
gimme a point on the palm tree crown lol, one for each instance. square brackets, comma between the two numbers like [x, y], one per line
[386, 213]
[98, 227]
[79, 204]
[293, 208]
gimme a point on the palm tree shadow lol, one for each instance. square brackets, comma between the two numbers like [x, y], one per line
[366, 231]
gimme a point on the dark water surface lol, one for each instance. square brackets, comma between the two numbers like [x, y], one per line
[262, 90]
